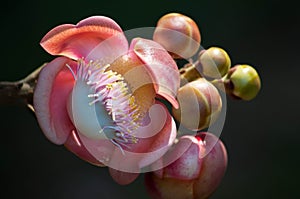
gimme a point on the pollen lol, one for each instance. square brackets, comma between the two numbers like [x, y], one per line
[131, 101]
[109, 86]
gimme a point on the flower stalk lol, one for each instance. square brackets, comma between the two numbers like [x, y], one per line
[20, 92]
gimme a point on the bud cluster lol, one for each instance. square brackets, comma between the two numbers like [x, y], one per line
[203, 160]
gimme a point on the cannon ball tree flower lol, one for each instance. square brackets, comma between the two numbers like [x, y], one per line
[98, 98]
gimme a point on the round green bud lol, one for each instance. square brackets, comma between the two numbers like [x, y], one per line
[244, 82]
[214, 62]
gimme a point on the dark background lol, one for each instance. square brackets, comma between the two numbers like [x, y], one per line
[262, 136]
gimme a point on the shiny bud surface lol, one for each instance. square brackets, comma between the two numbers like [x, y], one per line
[178, 34]
[215, 62]
[199, 104]
[245, 82]
[204, 163]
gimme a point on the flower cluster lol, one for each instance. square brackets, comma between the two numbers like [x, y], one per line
[108, 101]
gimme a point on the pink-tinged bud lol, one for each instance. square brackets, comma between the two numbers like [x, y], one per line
[199, 104]
[205, 155]
[178, 34]
[214, 165]
[188, 165]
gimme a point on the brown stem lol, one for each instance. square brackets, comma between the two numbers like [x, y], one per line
[189, 73]
[192, 71]
[20, 92]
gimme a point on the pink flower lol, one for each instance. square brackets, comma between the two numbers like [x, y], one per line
[98, 97]
[195, 174]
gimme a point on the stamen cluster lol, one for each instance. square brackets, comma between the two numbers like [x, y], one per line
[111, 91]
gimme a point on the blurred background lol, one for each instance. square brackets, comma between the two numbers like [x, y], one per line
[261, 136]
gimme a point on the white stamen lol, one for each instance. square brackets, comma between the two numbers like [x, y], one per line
[118, 145]
[73, 74]
[93, 95]
[116, 110]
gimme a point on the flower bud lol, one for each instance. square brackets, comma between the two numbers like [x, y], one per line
[242, 82]
[196, 174]
[199, 104]
[214, 62]
[214, 165]
[178, 34]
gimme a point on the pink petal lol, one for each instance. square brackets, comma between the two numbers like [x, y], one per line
[139, 155]
[213, 166]
[75, 145]
[161, 66]
[168, 188]
[147, 150]
[123, 178]
[77, 41]
[174, 162]
[50, 98]
[160, 142]
[188, 165]
[100, 149]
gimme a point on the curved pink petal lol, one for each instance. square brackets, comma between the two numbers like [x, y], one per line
[123, 178]
[156, 146]
[138, 155]
[54, 84]
[169, 188]
[74, 144]
[148, 149]
[109, 50]
[100, 149]
[183, 161]
[161, 66]
[188, 165]
[77, 41]
[213, 166]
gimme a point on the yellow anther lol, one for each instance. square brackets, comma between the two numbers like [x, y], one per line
[132, 101]
[109, 86]
[134, 140]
